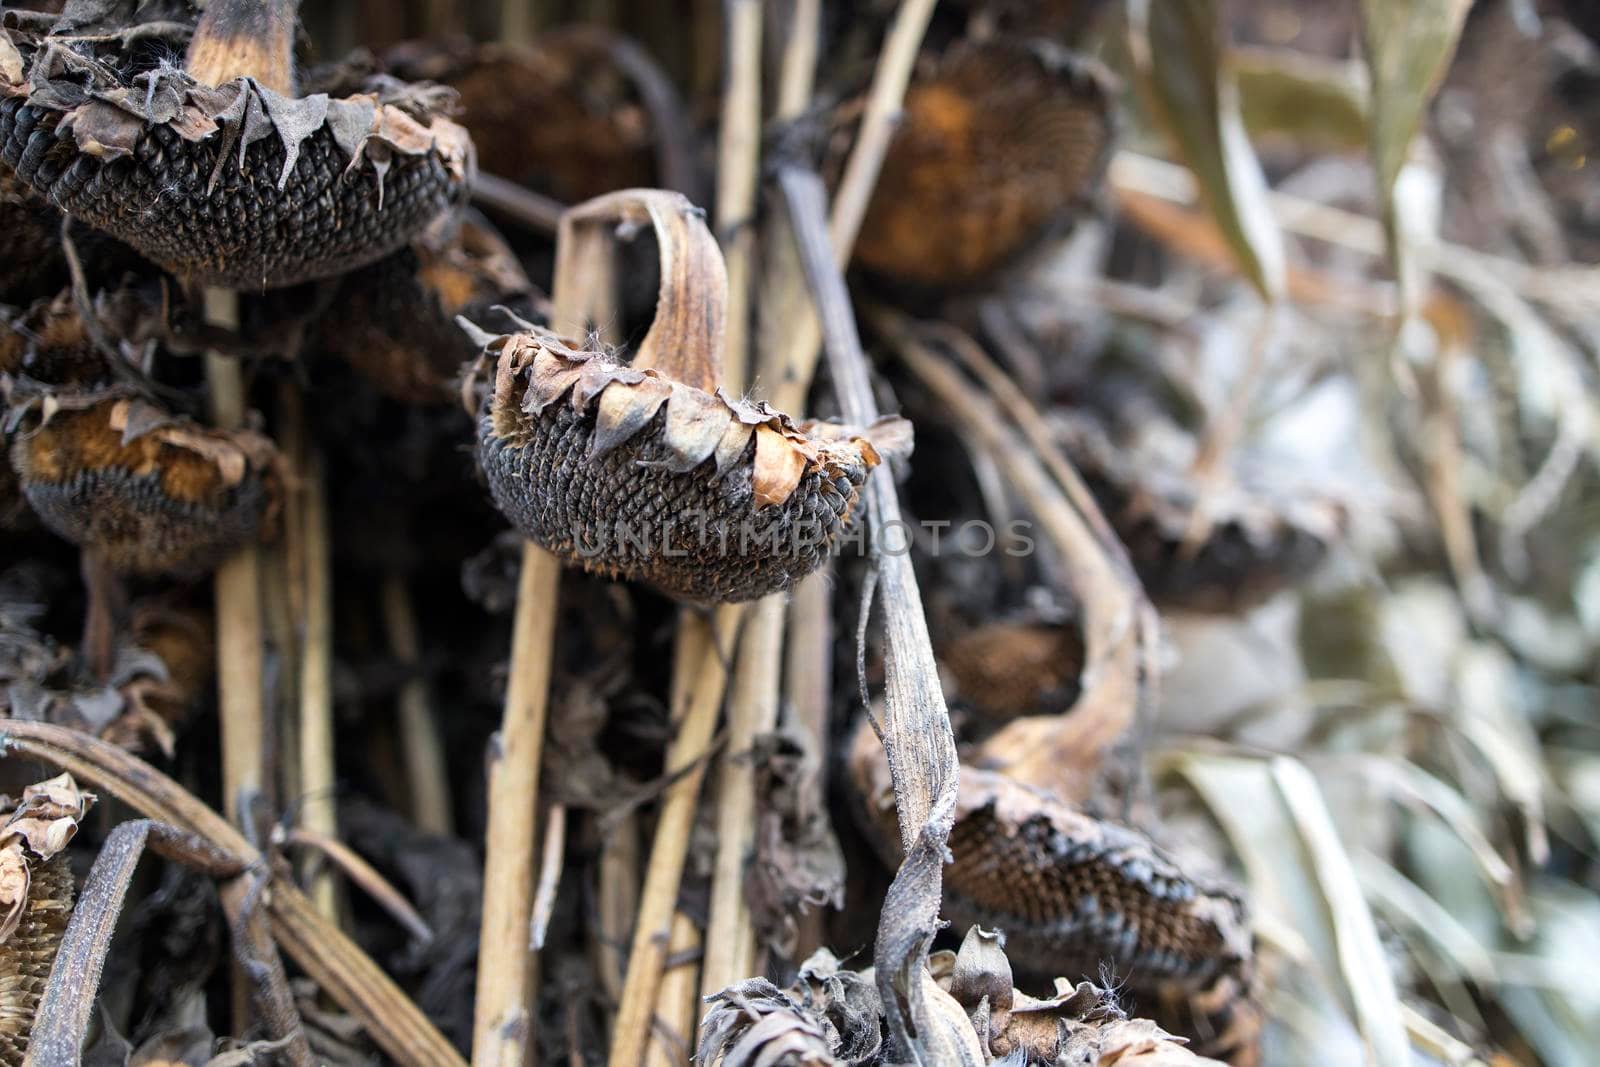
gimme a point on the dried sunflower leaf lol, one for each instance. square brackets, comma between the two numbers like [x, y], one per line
[1185, 76]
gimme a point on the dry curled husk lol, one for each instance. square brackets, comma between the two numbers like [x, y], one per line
[628, 473]
[830, 1016]
[1255, 541]
[36, 891]
[1081, 897]
[1001, 143]
[232, 185]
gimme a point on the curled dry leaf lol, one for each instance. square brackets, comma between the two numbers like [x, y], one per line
[829, 1014]
[797, 864]
[1078, 1024]
[1181, 58]
[756, 1023]
[207, 180]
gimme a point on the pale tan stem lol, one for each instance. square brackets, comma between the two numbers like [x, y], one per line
[677, 1001]
[318, 813]
[738, 167]
[752, 711]
[696, 721]
[619, 903]
[794, 360]
[501, 1022]
[237, 585]
[797, 75]
[426, 774]
[807, 687]
[550, 866]
[878, 124]
[520, 20]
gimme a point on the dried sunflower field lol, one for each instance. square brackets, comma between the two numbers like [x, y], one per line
[791, 533]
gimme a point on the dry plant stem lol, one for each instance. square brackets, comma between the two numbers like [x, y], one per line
[237, 584]
[797, 75]
[315, 733]
[619, 902]
[332, 960]
[795, 361]
[537, 212]
[916, 725]
[583, 287]
[756, 686]
[501, 1022]
[677, 1001]
[366, 877]
[808, 688]
[550, 863]
[1118, 621]
[752, 710]
[878, 123]
[426, 774]
[107, 602]
[738, 164]
[695, 720]
[1016, 404]
[1226, 427]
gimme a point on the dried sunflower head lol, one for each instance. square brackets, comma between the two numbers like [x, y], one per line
[1081, 897]
[36, 891]
[648, 471]
[395, 320]
[145, 492]
[629, 473]
[1254, 539]
[593, 134]
[217, 173]
[1004, 669]
[1000, 142]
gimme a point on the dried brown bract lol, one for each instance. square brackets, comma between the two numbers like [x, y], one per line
[1080, 1023]
[36, 891]
[1000, 142]
[1251, 543]
[395, 320]
[231, 183]
[648, 471]
[146, 492]
[830, 1015]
